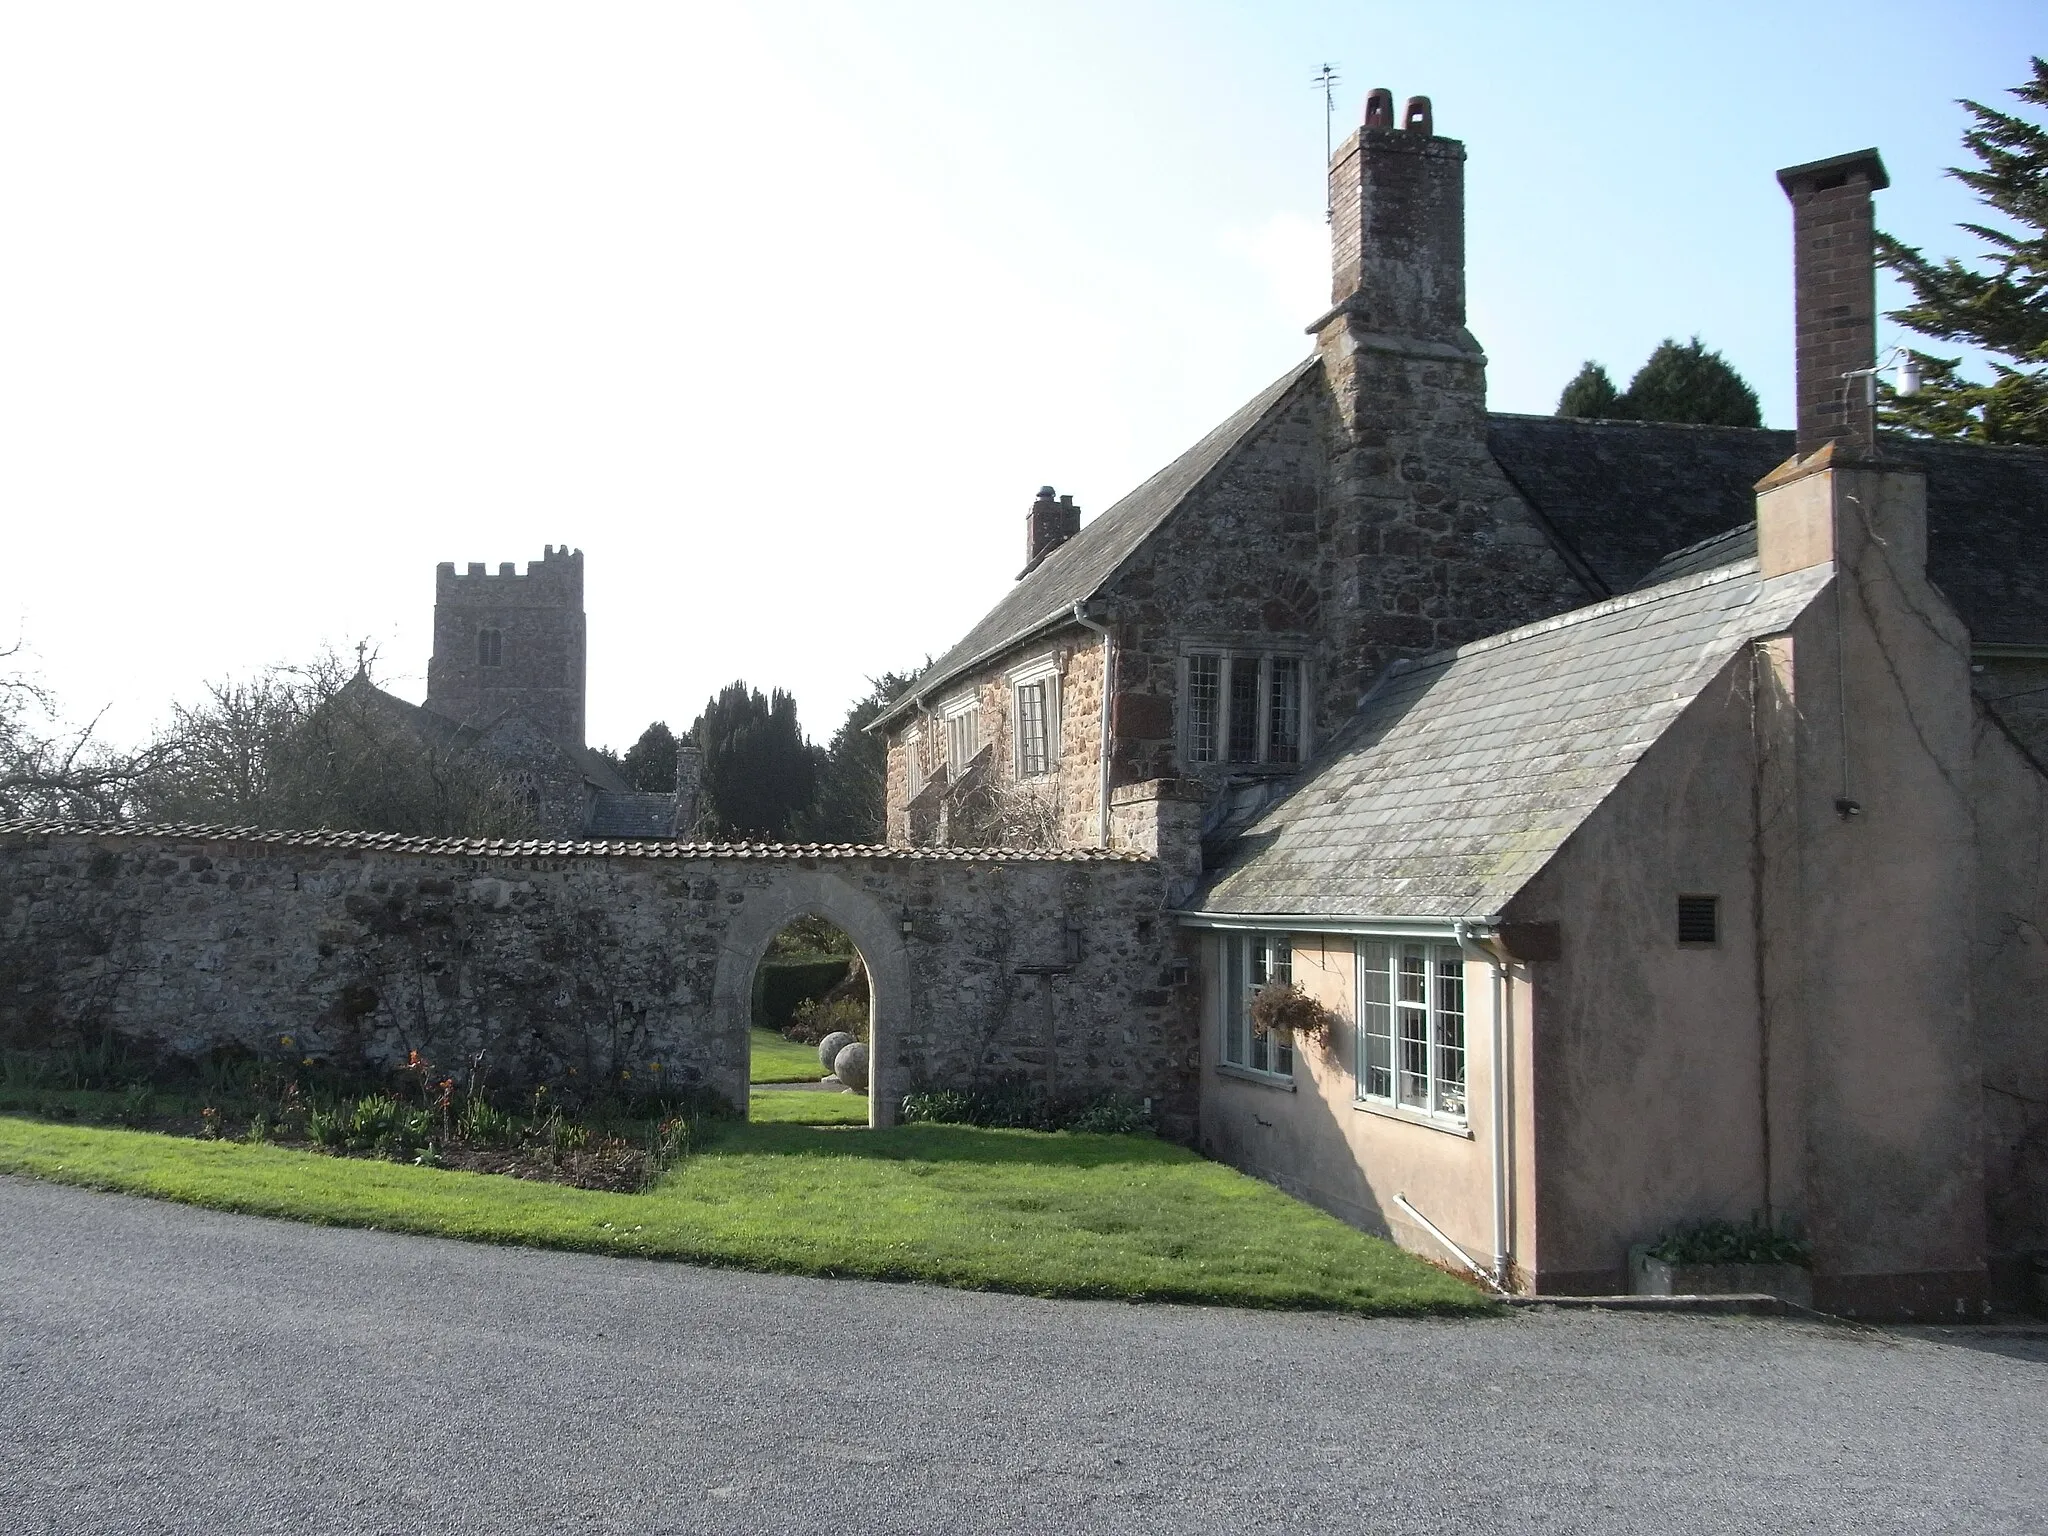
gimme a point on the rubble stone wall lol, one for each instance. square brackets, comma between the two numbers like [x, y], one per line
[580, 963]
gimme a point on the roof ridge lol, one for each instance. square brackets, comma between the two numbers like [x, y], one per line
[1047, 593]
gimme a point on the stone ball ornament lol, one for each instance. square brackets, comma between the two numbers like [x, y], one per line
[850, 1066]
[830, 1047]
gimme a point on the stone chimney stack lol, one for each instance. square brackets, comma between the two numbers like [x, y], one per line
[1397, 216]
[1049, 524]
[1835, 288]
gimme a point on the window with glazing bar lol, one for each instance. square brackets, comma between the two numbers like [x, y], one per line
[1250, 960]
[963, 736]
[1243, 708]
[1411, 1025]
[1035, 718]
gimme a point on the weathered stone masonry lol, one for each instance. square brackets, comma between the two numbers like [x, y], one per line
[578, 962]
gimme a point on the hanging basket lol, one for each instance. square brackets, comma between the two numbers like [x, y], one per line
[1282, 1008]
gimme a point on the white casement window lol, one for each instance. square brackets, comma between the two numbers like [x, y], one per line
[1035, 718]
[1250, 960]
[961, 721]
[1411, 1025]
[1244, 707]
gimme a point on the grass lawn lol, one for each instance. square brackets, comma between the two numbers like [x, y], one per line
[1046, 1215]
[776, 1060]
[792, 1106]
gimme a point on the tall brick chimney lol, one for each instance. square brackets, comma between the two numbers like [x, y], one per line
[1834, 278]
[1397, 217]
[1049, 524]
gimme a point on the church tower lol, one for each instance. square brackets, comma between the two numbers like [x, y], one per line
[510, 640]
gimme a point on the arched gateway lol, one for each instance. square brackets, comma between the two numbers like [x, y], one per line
[876, 933]
[627, 964]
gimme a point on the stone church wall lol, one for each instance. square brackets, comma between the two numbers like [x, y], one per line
[566, 964]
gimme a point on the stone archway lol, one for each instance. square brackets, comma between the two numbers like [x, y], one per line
[875, 932]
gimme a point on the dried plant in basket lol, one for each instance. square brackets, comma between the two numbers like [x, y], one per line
[1282, 1008]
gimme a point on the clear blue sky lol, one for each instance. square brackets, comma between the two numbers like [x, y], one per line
[781, 312]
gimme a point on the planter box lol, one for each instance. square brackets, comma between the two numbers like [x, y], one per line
[1655, 1277]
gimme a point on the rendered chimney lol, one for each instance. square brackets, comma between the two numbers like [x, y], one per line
[1397, 215]
[1049, 524]
[1834, 279]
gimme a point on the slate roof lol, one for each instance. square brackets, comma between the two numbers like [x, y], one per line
[1624, 495]
[258, 839]
[1463, 774]
[1737, 543]
[1081, 567]
[632, 814]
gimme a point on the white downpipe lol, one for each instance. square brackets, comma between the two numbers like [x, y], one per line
[1503, 1004]
[1437, 1232]
[1102, 739]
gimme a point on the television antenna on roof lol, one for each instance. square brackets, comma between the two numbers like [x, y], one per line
[1326, 82]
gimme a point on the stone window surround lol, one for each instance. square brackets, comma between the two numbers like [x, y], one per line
[960, 730]
[913, 756]
[1039, 670]
[490, 646]
[1234, 653]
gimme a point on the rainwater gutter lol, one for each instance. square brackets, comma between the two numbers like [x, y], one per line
[1469, 936]
[1102, 739]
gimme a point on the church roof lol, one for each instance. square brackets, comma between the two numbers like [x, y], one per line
[632, 814]
[1625, 495]
[1083, 565]
[1464, 773]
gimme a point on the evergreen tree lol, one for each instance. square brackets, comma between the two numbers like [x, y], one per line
[760, 775]
[1688, 383]
[852, 805]
[1590, 393]
[650, 763]
[1679, 383]
[2004, 310]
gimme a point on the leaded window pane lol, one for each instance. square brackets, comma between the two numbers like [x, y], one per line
[1244, 710]
[1205, 708]
[1283, 727]
[1034, 732]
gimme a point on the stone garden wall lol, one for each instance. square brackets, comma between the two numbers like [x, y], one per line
[577, 963]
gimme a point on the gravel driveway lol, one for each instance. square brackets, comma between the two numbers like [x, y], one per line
[167, 1369]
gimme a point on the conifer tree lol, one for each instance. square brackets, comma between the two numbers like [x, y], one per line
[1688, 383]
[1590, 393]
[2003, 309]
[650, 763]
[1683, 383]
[760, 774]
[852, 805]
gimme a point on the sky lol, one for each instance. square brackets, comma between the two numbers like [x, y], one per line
[782, 312]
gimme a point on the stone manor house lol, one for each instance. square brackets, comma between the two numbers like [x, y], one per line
[1658, 810]
[1655, 811]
